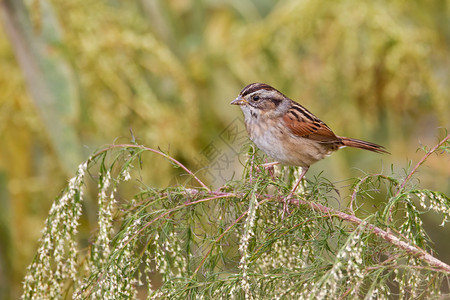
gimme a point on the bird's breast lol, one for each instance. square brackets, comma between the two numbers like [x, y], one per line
[278, 142]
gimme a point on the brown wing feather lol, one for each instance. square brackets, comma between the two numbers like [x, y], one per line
[303, 123]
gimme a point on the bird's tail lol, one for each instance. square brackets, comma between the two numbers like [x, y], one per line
[362, 145]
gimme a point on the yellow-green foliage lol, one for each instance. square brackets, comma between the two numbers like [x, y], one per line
[235, 242]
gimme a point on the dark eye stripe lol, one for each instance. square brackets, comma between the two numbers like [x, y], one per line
[276, 102]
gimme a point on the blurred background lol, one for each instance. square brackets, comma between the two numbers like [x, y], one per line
[78, 75]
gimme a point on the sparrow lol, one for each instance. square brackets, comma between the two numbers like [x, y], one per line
[288, 132]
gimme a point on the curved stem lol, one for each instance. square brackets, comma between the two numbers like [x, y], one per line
[156, 152]
[420, 163]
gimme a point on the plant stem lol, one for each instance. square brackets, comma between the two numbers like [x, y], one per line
[157, 152]
[420, 163]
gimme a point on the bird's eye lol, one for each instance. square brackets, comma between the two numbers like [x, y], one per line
[255, 98]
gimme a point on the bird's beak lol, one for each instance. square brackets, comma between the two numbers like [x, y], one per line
[238, 101]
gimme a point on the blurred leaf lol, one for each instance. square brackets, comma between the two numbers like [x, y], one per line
[49, 78]
[5, 238]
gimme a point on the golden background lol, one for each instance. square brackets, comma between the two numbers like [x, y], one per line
[78, 75]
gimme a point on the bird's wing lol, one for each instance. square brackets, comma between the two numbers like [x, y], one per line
[304, 124]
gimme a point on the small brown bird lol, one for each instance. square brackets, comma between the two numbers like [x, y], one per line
[288, 132]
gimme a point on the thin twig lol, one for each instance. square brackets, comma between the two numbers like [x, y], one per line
[420, 163]
[223, 195]
[358, 186]
[157, 152]
[355, 192]
[424, 158]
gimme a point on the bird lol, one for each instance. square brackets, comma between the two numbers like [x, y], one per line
[288, 132]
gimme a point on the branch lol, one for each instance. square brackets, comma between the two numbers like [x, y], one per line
[389, 237]
[329, 212]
